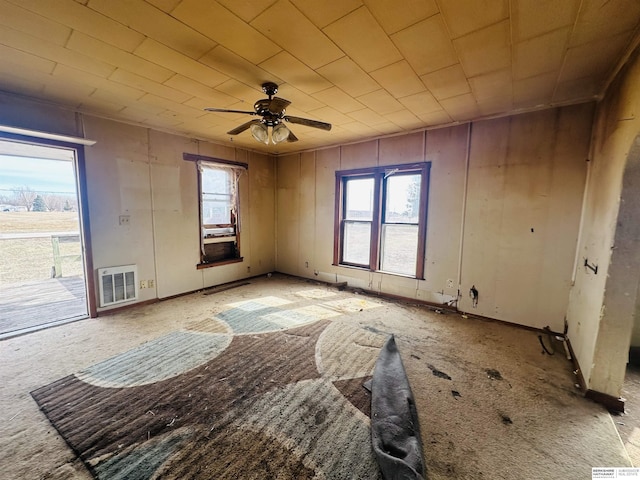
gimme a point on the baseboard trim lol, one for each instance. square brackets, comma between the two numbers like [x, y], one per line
[611, 403]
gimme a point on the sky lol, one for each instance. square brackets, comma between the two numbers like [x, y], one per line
[44, 176]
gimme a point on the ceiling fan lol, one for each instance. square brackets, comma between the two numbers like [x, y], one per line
[272, 111]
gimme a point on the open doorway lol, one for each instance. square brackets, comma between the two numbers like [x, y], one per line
[43, 268]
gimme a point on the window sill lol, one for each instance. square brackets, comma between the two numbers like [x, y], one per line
[366, 269]
[227, 261]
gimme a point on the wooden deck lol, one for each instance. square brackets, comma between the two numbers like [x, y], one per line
[39, 303]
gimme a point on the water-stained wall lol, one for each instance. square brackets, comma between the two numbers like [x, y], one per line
[503, 215]
[603, 304]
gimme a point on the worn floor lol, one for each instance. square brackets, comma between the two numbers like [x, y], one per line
[491, 403]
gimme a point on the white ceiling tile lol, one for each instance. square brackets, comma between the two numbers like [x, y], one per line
[421, 103]
[336, 98]
[439, 117]
[152, 22]
[177, 62]
[381, 102]
[90, 103]
[86, 20]
[541, 54]
[241, 91]
[462, 107]
[247, 10]
[534, 91]
[117, 90]
[236, 67]
[578, 89]
[399, 79]
[361, 37]
[322, 13]
[18, 58]
[426, 45]
[492, 85]
[291, 70]
[463, 17]
[531, 18]
[368, 116]
[593, 59]
[195, 88]
[39, 26]
[218, 23]
[82, 43]
[53, 52]
[136, 81]
[447, 82]
[392, 68]
[404, 119]
[485, 50]
[348, 76]
[294, 32]
[164, 5]
[331, 115]
[602, 19]
[394, 17]
[299, 99]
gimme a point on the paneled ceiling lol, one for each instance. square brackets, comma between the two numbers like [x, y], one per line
[369, 67]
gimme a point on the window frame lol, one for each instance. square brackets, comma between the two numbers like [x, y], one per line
[380, 174]
[238, 169]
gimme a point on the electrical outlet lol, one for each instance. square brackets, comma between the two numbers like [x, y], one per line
[124, 219]
[450, 283]
[143, 284]
[151, 283]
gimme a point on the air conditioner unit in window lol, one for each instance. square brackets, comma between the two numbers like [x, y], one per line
[117, 284]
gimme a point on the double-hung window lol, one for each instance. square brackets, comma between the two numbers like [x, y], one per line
[219, 210]
[381, 218]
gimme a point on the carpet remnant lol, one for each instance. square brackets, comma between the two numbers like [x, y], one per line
[203, 405]
[395, 432]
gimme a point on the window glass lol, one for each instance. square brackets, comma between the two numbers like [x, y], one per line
[216, 196]
[402, 203]
[359, 199]
[219, 212]
[380, 221]
[356, 243]
[399, 247]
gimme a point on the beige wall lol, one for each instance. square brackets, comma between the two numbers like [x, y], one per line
[140, 172]
[487, 193]
[602, 306]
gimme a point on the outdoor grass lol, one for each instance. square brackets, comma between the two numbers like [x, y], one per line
[31, 259]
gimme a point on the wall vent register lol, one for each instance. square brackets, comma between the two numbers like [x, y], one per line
[117, 284]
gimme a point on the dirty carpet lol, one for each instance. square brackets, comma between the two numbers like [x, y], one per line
[207, 405]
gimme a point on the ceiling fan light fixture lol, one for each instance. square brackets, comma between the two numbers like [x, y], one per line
[260, 132]
[279, 133]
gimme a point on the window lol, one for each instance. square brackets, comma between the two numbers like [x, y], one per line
[219, 210]
[381, 218]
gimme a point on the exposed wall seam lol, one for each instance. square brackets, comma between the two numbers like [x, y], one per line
[585, 196]
[464, 205]
[153, 222]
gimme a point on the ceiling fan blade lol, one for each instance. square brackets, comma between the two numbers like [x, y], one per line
[277, 105]
[224, 110]
[242, 127]
[308, 122]
[291, 137]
